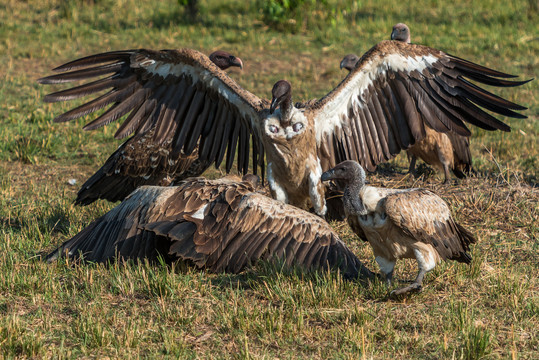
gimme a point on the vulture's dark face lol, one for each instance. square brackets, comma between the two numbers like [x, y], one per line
[282, 90]
[349, 62]
[225, 60]
[347, 171]
[401, 32]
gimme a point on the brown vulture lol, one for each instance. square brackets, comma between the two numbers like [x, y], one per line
[401, 223]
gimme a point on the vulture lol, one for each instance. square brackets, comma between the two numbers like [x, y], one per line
[445, 151]
[382, 106]
[140, 160]
[407, 223]
[219, 225]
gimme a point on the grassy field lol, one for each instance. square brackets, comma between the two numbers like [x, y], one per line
[487, 310]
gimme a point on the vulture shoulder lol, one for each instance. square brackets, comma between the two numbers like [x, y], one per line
[220, 225]
[424, 216]
[384, 103]
[181, 94]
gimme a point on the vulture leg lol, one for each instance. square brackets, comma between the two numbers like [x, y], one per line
[412, 159]
[317, 194]
[425, 264]
[387, 267]
[415, 286]
[447, 175]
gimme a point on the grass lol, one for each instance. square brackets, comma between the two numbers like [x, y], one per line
[487, 310]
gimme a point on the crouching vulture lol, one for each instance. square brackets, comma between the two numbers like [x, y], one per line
[407, 223]
[382, 106]
[219, 225]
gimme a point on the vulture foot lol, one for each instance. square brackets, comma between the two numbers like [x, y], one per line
[414, 287]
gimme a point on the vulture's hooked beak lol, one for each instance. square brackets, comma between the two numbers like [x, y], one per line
[274, 104]
[328, 175]
[236, 61]
[343, 63]
[394, 34]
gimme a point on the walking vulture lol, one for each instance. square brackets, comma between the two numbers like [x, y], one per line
[219, 225]
[445, 151]
[409, 223]
[381, 107]
[140, 160]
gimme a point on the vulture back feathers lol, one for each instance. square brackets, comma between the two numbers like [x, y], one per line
[219, 225]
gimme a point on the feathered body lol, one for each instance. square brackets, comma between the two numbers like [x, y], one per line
[445, 152]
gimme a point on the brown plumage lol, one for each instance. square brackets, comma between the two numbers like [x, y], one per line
[380, 108]
[219, 225]
[409, 223]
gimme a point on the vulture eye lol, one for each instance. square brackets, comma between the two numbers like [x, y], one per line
[297, 127]
[273, 129]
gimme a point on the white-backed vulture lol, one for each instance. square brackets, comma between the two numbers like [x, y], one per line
[141, 161]
[407, 223]
[381, 107]
[445, 151]
[219, 225]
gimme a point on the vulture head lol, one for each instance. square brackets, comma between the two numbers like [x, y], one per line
[348, 172]
[281, 95]
[401, 32]
[349, 62]
[225, 60]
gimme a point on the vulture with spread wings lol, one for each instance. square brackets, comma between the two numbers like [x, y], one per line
[380, 108]
[219, 225]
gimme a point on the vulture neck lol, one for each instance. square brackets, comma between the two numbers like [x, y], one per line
[286, 111]
[352, 197]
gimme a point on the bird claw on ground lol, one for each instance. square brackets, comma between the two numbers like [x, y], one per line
[415, 287]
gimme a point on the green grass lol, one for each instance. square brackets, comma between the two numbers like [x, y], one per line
[487, 310]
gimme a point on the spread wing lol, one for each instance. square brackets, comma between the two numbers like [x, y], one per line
[382, 106]
[181, 94]
[219, 225]
[424, 216]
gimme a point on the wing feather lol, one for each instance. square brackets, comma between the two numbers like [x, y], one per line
[220, 225]
[169, 90]
[424, 216]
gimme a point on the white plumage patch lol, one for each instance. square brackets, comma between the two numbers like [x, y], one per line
[318, 201]
[199, 214]
[427, 262]
[385, 265]
[280, 192]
